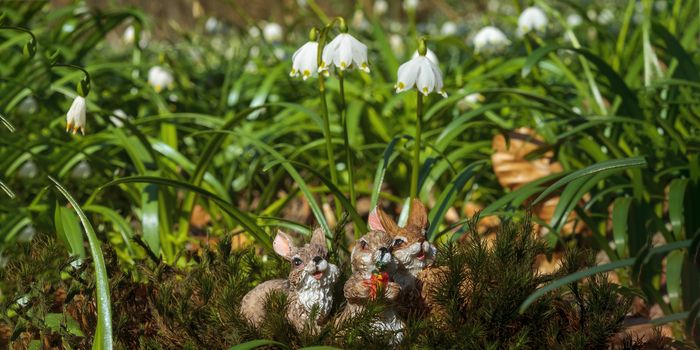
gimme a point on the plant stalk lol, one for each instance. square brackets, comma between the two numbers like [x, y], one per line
[349, 163]
[416, 148]
[328, 137]
[346, 139]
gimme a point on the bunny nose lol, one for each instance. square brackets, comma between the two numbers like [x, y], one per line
[318, 259]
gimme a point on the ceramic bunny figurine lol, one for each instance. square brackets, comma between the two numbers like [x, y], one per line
[370, 258]
[412, 253]
[309, 285]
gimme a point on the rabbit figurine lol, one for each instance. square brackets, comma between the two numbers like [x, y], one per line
[412, 253]
[309, 285]
[369, 257]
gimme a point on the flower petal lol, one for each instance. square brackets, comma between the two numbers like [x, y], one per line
[407, 75]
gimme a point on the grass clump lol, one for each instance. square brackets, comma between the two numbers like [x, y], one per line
[481, 287]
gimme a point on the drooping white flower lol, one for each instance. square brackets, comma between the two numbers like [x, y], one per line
[532, 19]
[490, 37]
[470, 101]
[129, 34]
[396, 43]
[159, 78]
[430, 55]
[117, 118]
[344, 52]
[75, 118]
[574, 20]
[212, 25]
[359, 21]
[253, 32]
[422, 73]
[305, 61]
[606, 17]
[448, 28]
[410, 5]
[272, 32]
[380, 7]
[28, 170]
[81, 171]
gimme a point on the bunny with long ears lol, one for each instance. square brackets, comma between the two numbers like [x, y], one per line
[309, 286]
[412, 252]
[370, 258]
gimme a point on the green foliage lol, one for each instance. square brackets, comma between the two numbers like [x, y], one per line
[614, 101]
[159, 306]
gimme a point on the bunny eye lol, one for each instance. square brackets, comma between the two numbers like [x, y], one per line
[363, 244]
[296, 261]
[398, 241]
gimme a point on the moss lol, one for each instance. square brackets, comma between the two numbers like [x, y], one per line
[160, 307]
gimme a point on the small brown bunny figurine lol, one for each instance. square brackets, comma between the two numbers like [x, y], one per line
[369, 257]
[413, 254]
[309, 285]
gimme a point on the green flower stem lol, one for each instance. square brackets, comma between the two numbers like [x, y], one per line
[346, 139]
[416, 147]
[328, 137]
[346, 142]
[83, 88]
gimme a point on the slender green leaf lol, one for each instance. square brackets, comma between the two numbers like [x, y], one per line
[384, 163]
[68, 230]
[674, 273]
[620, 218]
[103, 333]
[676, 204]
[6, 123]
[599, 269]
[448, 196]
[607, 166]
[253, 344]
[240, 217]
[7, 190]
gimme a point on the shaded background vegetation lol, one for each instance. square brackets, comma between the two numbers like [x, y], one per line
[593, 126]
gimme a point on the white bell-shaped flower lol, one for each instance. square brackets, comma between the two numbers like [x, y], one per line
[305, 61]
[532, 19]
[430, 55]
[422, 73]
[344, 52]
[380, 7]
[396, 44]
[490, 37]
[410, 5]
[449, 28]
[159, 78]
[75, 118]
[129, 34]
[272, 32]
[574, 20]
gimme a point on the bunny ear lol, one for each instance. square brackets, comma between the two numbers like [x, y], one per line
[318, 237]
[388, 225]
[418, 216]
[283, 245]
[373, 221]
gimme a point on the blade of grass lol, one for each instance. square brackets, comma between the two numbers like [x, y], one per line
[68, 231]
[6, 123]
[607, 166]
[240, 217]
[257, 343]
[620, 218]
[448, 196]
[103, 333]
[574, 277]
[676, 203]
[7, 190]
